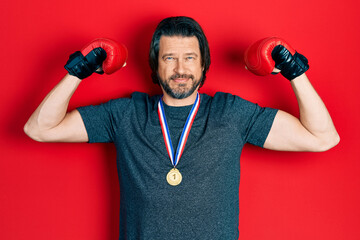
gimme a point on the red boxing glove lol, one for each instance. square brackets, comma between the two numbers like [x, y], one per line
[116, 54]
[258, 57]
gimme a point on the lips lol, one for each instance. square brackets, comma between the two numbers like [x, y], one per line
[181, 78]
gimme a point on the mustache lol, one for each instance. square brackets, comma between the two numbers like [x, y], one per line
[181, 76]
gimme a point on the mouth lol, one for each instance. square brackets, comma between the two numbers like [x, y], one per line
[181, 78]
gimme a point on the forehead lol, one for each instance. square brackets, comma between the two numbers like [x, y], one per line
[178, 44]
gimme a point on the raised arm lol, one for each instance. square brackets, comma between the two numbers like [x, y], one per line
[51, 122]
[314, 130]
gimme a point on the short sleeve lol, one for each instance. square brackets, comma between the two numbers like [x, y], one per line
[260, 125]
[100, 120]
[252, 122]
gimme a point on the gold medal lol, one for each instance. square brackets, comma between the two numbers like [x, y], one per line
[174, 177]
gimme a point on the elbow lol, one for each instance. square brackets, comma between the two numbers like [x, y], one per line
[32, 132]
[329, 142]
[335, 140]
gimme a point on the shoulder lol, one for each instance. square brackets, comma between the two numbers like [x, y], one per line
[234, 107]
[142, 101]
[228, 100]
[144, 97]
[136, 99]
[120, 106]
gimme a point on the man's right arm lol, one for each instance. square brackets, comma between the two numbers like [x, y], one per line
[51, 122]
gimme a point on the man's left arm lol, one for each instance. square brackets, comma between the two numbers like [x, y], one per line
[313, 131]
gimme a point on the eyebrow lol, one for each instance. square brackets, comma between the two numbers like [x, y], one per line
[192, 53]
[172, 54]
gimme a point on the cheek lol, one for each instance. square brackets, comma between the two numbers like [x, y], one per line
[162, 70]
[166, 70]
[196, 69]
[165, 74]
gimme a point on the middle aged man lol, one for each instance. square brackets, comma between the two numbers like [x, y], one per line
[178, 154]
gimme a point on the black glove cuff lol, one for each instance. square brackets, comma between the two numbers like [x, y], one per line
[290, 66]
[77, 66]
[298, 66]
[83, 66]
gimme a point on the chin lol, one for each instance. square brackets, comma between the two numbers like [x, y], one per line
[180, 94]
[179, 90]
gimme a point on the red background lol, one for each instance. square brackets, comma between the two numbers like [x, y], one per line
[70, 191]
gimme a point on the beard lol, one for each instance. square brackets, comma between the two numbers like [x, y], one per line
[181, 91]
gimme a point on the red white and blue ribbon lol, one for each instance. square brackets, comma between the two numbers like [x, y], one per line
[184, 135]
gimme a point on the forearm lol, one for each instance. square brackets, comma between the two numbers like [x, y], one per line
[314, 115]
[52, 110]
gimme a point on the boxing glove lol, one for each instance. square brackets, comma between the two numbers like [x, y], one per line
[264, 55]
[101, 55]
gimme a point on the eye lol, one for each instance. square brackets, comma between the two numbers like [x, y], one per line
[190, 58]
[168, 59]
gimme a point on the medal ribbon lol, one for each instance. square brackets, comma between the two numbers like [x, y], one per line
[184, 135]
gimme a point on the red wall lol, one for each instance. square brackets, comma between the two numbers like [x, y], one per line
[63, 191]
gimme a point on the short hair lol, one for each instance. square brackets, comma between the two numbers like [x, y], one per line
[178, 26]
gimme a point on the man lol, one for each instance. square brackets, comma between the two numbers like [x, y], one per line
[178, 154]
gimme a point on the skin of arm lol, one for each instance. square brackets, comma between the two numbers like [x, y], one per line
[314, 131]
[51, 122]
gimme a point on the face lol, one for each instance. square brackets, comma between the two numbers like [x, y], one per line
[180, 70]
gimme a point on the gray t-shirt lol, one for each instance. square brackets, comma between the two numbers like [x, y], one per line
[205, 205]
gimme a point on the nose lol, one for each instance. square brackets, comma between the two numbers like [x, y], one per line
[180, 67]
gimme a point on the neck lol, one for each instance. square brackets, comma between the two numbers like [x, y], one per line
[168, 100]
